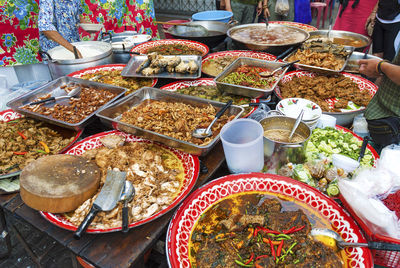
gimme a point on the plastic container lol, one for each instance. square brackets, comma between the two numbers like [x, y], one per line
[242, 140]
[326, 121]
[360, 126]
[214, 15]
[344, 162]
[166, 27]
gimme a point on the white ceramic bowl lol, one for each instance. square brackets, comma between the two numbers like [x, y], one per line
[91, 27]
[346, 163]
[291, 107]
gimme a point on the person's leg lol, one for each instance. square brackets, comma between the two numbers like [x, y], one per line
[249, 13]
[390, 34]
[237, 9]
[290, 16]
[271, 7]
[377, 39]
[384, 131]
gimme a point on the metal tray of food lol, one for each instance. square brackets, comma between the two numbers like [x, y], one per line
[320, 69]
[54, 88]
[352, 65]
[136, 61]
[112, 114]
[243, 90]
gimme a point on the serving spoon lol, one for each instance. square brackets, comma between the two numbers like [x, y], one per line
[266, 74]
[127, 195]
[202, 133]
[69, 95]
[333, 240]
[296, 124]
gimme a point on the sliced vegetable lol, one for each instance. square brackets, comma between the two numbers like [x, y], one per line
[46, 148]
[20, 153]
[22, 135]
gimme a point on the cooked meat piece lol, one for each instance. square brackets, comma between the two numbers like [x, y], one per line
[245, 220]
[112, 141]
[280, 221]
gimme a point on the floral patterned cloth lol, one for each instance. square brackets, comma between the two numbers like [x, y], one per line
[19, 36]
[59, 15]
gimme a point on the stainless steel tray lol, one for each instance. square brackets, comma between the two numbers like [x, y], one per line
[135, 61]
[54, 89]
[352, 65]
[320, 69]
[111, 115]
[243, 90]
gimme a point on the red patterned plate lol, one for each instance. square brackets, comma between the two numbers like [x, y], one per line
[235, 54]
[182, 223]
[144, 47]
[107, 67]
[198, 82]
[191, 168]
[10, 115]
[363, 84]
[302, 26]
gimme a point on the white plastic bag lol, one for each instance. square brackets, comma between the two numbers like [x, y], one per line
[282, 7]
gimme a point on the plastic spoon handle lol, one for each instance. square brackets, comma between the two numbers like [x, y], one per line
[125, 218]
[363, 147]
[373, 245]
[42, 101]
[86, 221]
[296, 124]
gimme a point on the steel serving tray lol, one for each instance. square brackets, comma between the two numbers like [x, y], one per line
[135, 61]
[111, 115]
[243, 90]
[320, 69]
[352, 65]
[54, 89]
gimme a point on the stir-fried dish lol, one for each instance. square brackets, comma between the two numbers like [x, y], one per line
[323, 54]
[24, 140]
[156, 173]
[113, 77]
[175, 49]
[215, 66]
[258, 230]
[321, 88]
[249, 76]
[175, 119]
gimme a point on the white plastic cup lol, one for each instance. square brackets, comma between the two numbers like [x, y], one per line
[242, 140]
[326, 121]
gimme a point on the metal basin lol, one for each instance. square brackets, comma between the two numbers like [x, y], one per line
[323, 34]
[272, 48]
[61, 66]
[216, 32]
[277, 154]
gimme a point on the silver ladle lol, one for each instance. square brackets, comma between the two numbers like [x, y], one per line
[202, 133]
[333, 240]
[127, 195]
[296, 124]
[269, 74]
[70, 94]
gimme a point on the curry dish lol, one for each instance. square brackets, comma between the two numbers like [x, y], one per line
[156, 173]
[321, 88]
[255, 230]
[174, 49]
[113, 77]
[24, 140]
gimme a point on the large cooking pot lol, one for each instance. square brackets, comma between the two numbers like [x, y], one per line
[216, 32]
[122, 43]
[362, 39]
[272, 48]
[62, 61]
[277, 154]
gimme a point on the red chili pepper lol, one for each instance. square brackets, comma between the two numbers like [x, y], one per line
[272, 249]
[20, 153]
[255, 231]
[268, 230]
[262, 256]
[258, 266]
[22, 135]
[278, 252]
[251, 258]
[288, 231]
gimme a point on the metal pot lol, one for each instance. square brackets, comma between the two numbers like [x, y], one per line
[121, 52]
[277, 154]
[61, 66]
[216, 32]
[366, 41]
[272, 48]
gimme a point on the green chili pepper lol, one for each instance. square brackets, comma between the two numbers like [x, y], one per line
[242, 264]
[284, 236]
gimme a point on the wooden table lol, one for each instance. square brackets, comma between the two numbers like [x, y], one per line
[113, 249]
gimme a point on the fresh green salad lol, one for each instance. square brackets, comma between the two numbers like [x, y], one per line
[330, 141]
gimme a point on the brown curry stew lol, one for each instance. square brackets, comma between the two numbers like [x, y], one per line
[260, 230]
